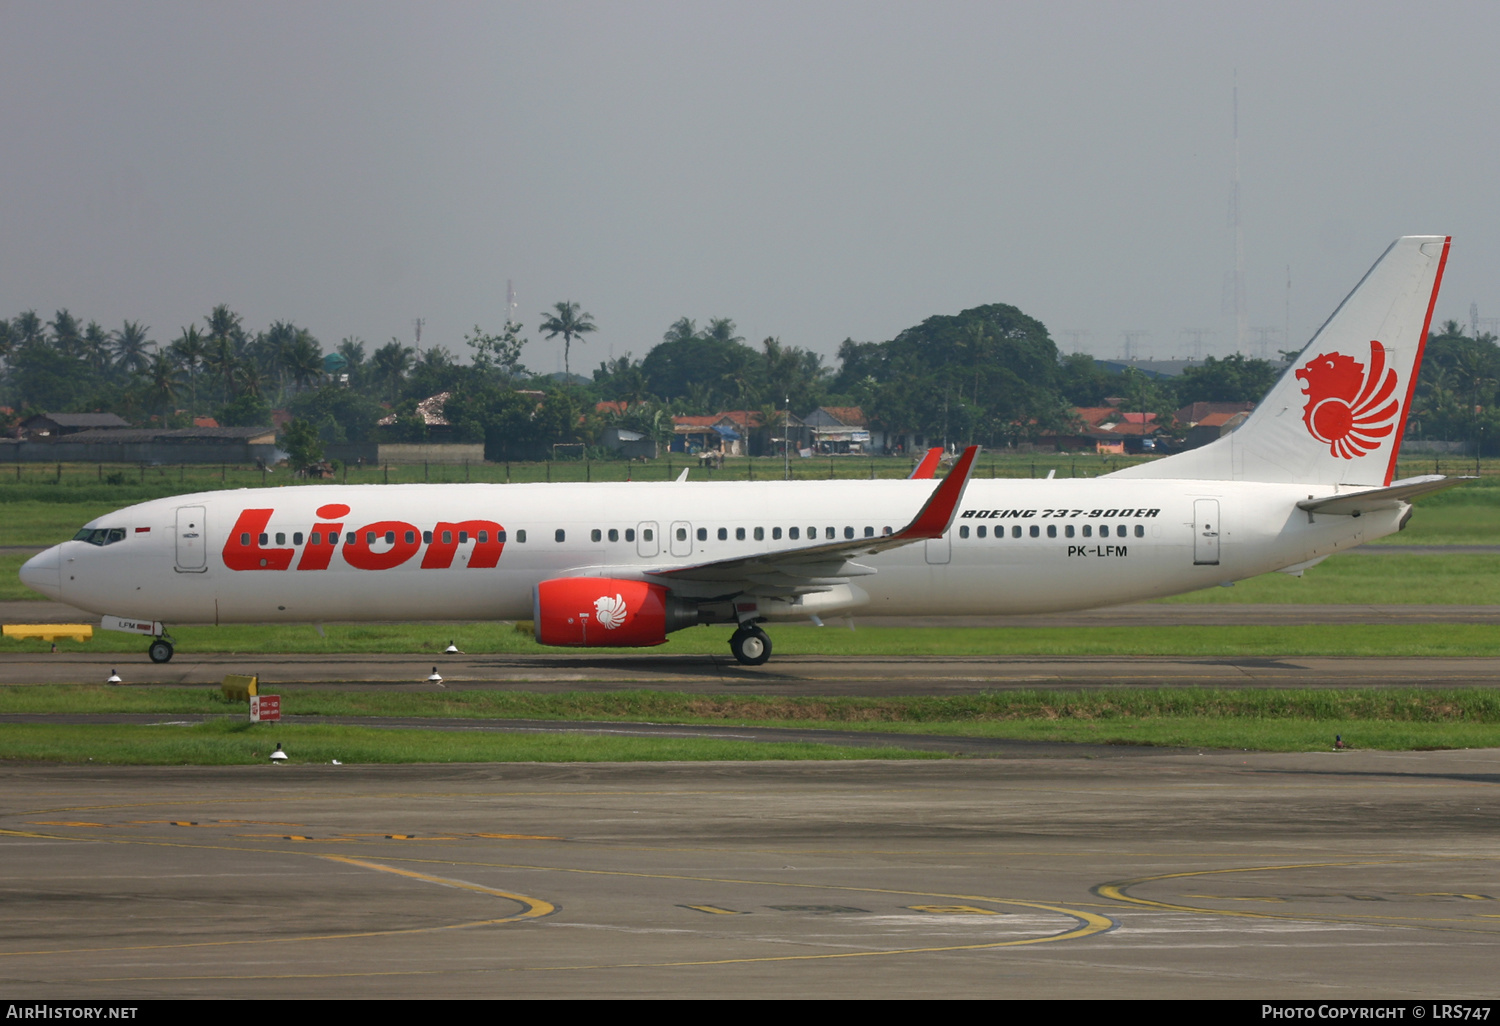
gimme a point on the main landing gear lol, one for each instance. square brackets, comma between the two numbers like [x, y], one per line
[160, 651]
[750, 645]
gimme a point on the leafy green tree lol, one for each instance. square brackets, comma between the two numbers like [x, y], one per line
[499, 353]
[340, 414]
[390, 365]
[1235, 378]
[568, 322]
[247, 409]
[42, 379]
[304, 449]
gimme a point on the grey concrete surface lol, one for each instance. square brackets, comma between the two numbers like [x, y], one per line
[1318, 877]
[784, 675]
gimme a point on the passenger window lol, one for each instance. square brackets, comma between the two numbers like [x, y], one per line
[245, 540]
[1068, 530]
[775, 534]
[559, 535]
[265, 539]
[682, 534]
[963, 532]
[812, 534]
[280, 537]
[1120, 531]
[390, 537]
[630, 534]
[316, 538]
[463, 537]
[411, 537]
[1051, 530]
[333, 537]
[794, 533]
[484, 536]
[848, 532]
[760, 534]
[1015, 531]
[886, 531]
[500, 536]
[1104, 530]
[447, 537]
[829, 533]
[349, 538]
[427, 537]
[648, 534]
[521, 536]
[1088, 530]
[596, 535]
[1140, 530]
[739, 534]
[723, 534]
[614, 534]
[870, 532]
[1036, 532]
[297, 538]
[981, 531]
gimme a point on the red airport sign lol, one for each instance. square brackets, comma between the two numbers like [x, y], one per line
[264, 708]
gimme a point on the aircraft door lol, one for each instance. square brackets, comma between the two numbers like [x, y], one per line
[647, 545]
[1206, 528]
[939, 550]
[192, 540]
[682, 538]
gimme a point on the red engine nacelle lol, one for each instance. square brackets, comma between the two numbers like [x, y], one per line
[603, 612]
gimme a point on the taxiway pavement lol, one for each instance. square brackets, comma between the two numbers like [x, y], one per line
[1351, 875]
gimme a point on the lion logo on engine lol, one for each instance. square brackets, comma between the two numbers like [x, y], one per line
[1350, 408]
[610, 612]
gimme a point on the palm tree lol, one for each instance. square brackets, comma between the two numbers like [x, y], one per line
[682, 330]
[226, 337]
[303, 359]
[391, 363]
[190, 348]
[162, 376]
[720, 329]
[570, 324]
[130, 347]
[27, 329]
[65, 333]
[94, 349]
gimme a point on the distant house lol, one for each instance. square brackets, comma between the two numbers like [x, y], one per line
[838, 429]
[1212, 426]
[55, 425]
[1194, 413]
[151, 446]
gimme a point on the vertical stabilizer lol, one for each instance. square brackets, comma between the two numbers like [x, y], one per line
[1338, 413]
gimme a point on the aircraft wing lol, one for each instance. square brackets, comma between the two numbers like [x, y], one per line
[820, 566]
[1370, 500]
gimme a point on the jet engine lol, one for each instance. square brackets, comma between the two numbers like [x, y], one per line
[600, 612]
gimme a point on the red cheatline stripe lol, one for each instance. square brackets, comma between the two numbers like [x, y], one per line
[1411, 386]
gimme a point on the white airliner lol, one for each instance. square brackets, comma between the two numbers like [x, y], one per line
[614, 565]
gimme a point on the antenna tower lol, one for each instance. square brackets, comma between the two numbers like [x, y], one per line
[1241, 319]
[418, 322]
[510, 301]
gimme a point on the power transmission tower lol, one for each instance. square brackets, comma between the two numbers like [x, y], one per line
[1263, 344]
[1132, 336]
[1075, 338]
[1197, 336]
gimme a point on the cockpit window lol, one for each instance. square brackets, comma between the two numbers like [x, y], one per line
[100, 535]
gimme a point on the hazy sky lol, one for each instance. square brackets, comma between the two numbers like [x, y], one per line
[813, 170]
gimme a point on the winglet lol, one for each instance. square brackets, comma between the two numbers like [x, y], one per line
[927, 469]
[938, 514]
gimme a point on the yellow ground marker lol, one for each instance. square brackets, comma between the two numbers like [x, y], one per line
[714, 910]
[49, 631]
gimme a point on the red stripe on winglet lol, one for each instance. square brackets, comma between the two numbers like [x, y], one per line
[938, 513]
[1416, 367]
[928, 467]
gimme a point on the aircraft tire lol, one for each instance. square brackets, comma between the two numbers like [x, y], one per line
[751, 647]
[160, 651]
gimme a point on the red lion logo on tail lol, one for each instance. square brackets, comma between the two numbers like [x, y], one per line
[1350, 409]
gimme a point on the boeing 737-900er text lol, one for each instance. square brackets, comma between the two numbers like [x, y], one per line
[1308, 474]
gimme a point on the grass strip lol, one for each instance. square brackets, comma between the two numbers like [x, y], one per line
[1303, 719]
[232, 743]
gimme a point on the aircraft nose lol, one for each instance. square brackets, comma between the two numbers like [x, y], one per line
[43, 573]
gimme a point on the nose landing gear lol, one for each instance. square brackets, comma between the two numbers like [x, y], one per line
[750, 645]
[160, 651]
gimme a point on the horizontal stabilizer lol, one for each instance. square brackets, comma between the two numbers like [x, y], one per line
[1352, 504]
